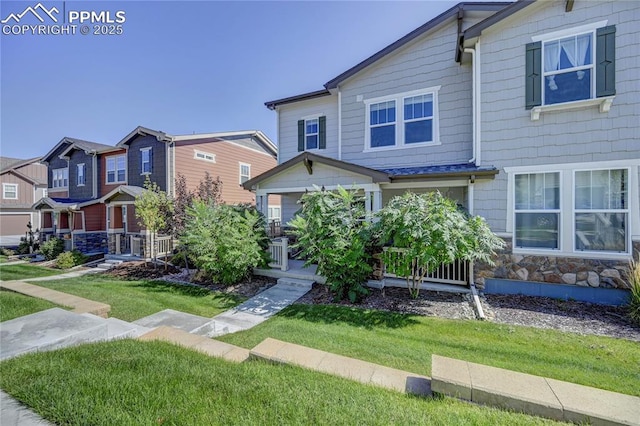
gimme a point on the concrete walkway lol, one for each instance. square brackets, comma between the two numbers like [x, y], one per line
[530, 394]
[13, 413]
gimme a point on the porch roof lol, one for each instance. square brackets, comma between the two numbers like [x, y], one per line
[127, 190]
[308, 159]
[469, 170]
[55, 203]
[383, 175]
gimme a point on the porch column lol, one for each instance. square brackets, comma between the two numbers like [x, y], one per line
[262, 203]
[470, 188]
[367, 204]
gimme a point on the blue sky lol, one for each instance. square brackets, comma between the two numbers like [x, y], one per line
[182, 67]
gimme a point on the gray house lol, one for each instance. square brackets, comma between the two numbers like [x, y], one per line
[525, 113]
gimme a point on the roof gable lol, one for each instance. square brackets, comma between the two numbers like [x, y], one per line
[144, 131]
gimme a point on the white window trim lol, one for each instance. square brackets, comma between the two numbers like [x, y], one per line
[84, 174]
[400, 121]
[53, 180]
[142, 172]
[558, 211]
[4, 191]
[204, 156]
[106, 169]
[240, 164]
[627, 211]
[567, 205]
[306, 148]
[604, 103]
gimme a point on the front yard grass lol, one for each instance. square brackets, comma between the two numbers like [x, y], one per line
[14, 305]
[406, 342]
[24, 270]
[132, 300]
[129, 382]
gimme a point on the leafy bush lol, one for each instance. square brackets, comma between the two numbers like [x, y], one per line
[431, 230]
[225, 241]
[633, 276]
[331, 232]
[52, 248]
[69, 259]
[6, 252]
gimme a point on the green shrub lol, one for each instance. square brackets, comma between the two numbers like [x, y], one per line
[225, 241]
[6, 252]
[23, 247]
[52, 248]
[65, 260]
[633, 276]
[69, 259]
[331, 232]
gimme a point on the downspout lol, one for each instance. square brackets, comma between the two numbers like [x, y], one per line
[474, 133]
[278, 135]
[339, 124]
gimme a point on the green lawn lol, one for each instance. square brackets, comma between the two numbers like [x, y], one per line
[132, 300]
[129, 382]
[14, 305]
[407, 342]
[25, 270]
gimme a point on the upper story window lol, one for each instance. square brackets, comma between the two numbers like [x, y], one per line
[402, 120]
[145, 161]
[80, 175]
[60, 178]
[575, 67]
[312, 133]
[116, 168]
[204, 156]
[10, 191]
[245, 172]
[568, 69]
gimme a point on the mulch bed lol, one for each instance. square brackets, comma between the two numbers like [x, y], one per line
[540, 312]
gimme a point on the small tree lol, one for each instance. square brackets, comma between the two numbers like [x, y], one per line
[331, 232]
[430, 230]
[225, 241]
[153, 208]
[210, 190]
[182, 200]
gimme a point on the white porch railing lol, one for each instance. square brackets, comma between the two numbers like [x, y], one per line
[453, 273]
[164, 245]
[279, 251]
[140, 246]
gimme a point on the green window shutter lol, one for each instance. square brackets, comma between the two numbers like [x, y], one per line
[606, 61]
[322, 130]
[300, 135]
[533, 82]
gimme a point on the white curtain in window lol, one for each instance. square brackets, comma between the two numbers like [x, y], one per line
[551, 61]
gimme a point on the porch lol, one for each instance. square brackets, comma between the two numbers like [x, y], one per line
[454, 278]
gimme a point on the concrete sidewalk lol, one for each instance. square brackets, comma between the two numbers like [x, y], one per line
[13, 413]
[530, 394]
[78, 304]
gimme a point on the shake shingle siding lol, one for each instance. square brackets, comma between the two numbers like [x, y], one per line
[511, 138]
[425, 63]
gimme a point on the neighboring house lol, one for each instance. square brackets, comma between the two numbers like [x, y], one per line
[23, 183]
[92, 187]
[526, 114]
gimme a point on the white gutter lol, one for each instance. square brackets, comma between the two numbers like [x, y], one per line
[339, 124]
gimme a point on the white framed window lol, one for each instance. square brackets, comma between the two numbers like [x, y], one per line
[116, 169]
[245, 172]
[80, 175]
[537, 210]
[10, 191]
[145, 161]
[403, 120]
[568, 68]
[274, 213]
[204, 156]
[311, 133]
[60, 178]
[586, 210]
[601, 210]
